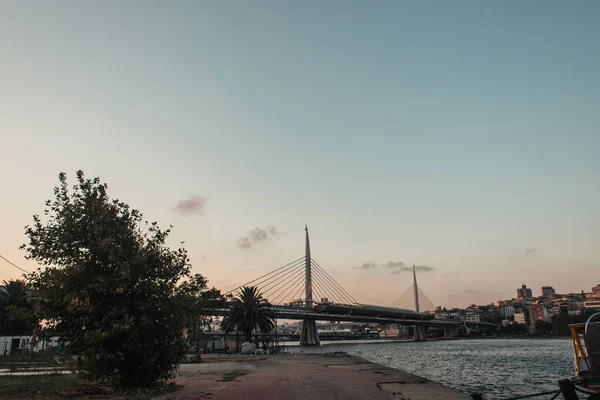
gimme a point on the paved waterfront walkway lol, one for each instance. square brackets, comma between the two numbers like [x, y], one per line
[302, 376]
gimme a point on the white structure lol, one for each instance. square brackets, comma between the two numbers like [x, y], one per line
[519, 317]
[507, 311]
[21, 344]
[472, 317]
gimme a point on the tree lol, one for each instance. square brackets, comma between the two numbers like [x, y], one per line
[249, 312]
[199, 302]
[109, 285]
[16, 308]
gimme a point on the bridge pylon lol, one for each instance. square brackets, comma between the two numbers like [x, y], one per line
[310, 334]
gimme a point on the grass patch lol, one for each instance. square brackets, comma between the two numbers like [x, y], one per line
[55, 387]
[232, 376]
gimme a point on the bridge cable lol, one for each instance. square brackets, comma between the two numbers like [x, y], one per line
[275, 277]
[334, 282]
[406, 300]
[336, 294]
[327, 288]
[297, 290]
[334, 291]
[429, 306]
[292, 285]
[400, 300]
[265, 275]
[282, 278]
[284, 286]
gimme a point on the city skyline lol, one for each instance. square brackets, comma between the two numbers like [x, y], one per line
[461, 138]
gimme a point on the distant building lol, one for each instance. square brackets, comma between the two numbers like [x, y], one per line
[524, 293]
[537, 312]
[507, 311]
[520, 318]
[472, 317]
[592, 300]
[548, 291]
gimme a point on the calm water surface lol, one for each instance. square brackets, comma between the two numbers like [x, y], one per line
[497, 368]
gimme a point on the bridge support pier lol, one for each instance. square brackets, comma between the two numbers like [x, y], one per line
[450, 332]
[419, 335]
[309, 335]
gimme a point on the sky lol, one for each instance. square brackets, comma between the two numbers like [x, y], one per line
[461, 136]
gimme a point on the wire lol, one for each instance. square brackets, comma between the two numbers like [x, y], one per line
[333, 281]
[260, 277]
[13, 264]
[273, 284]
[298, 278]
[285, 285]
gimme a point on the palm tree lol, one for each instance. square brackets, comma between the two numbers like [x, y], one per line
[16, 305]
[249, 312]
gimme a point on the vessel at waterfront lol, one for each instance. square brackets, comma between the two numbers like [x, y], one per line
[586, 346]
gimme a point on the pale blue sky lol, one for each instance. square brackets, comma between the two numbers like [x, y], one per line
[452, 134]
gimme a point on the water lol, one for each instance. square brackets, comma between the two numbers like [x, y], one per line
[496, 368]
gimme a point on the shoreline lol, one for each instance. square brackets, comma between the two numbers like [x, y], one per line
[303, 375]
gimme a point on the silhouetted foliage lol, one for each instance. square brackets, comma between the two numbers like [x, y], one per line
[109, 288]
[16, 308]
[197, 303]
[249, 312]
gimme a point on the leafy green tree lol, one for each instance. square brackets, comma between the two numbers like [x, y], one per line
[249, 312]
[109, 285]
[16, 308]
[198, 303]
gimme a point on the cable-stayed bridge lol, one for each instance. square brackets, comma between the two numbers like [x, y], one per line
[302, 289]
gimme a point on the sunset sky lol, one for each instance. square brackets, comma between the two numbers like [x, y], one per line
[460, 135]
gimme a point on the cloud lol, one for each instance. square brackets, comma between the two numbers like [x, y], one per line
[404, 268]
[424, 268]
[192, 206]
[334, 271]
[257, 235]
[395, 264]
[244, 243]
[469, 291]
[452, 296]
[530, 250]
[367, 265]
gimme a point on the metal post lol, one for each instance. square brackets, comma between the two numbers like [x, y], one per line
[416, 289]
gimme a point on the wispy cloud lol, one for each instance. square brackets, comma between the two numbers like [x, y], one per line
[452, 296]
[244, 243]
[192, 206]
[257, 235]
[394, 264]
[367, 265]
[469, 291]
[530, 250]
[397, 267]
[424, 268]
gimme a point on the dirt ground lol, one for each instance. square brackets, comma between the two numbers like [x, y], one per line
[301, 376]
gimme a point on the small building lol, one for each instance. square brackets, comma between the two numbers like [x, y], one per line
[524, 293]
[507, 311]
[472, 317]
[548, 291]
